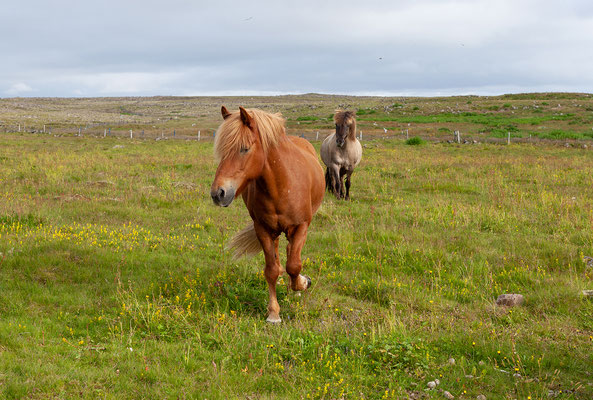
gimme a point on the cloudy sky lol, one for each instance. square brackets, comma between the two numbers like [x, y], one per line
[216, 47]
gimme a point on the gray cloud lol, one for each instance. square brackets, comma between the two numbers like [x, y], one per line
[182, 47]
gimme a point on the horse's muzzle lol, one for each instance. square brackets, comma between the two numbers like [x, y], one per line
[222, 197]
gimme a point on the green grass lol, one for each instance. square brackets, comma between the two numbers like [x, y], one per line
[114, 281]
[308, 118]
[473, 118]
[415, 141]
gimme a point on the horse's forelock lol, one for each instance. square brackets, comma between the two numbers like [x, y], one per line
[341, 117]
[233, 134]
[346, 117]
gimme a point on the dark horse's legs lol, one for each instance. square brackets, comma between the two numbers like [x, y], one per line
[337, 183]
[348, 174]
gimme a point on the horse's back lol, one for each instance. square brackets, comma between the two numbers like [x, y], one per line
[315, 175]
[304, 145]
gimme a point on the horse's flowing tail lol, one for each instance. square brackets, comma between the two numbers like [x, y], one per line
[245, 243]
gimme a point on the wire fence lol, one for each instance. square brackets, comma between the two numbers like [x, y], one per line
[104, 130]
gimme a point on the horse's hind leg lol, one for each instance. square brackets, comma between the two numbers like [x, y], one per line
[328, 180]
[296, 240]
[348, 174]
[272, 271]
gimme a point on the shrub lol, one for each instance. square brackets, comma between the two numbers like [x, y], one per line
[415, 141]
[365, 111]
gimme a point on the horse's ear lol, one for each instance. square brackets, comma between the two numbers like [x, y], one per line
[225, 113]
[245, 117]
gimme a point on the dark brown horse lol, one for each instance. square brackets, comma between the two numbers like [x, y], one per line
[281, 182]
[341, 153]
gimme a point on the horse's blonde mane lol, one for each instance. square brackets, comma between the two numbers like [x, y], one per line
[232, 134]
[346, 117]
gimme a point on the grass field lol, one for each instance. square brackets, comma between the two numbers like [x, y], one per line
[114, 281]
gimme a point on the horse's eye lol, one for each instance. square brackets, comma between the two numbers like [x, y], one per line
[244, 150]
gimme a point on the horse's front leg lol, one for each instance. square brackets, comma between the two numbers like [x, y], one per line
[337, 181]
[272, 271]
[296, 240]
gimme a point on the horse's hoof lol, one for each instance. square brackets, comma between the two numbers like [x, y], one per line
[308, 281]
[273, 320]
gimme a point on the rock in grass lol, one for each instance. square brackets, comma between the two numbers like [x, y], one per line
[451, 361]
[588, 293]
[448, 395]
[510, 300]
[431, 384]
[481, 397]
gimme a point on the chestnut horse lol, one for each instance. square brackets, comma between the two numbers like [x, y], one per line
[281, 182]
[341, 153]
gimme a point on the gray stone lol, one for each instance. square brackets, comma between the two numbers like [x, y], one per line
[588, 293]
[481, 397]
[510, 300]
[431, 384]
[448, 395]
[451, 361]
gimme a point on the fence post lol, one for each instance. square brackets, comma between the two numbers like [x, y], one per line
[508, 137]
[198, 136]
[317, 136]
[407, 134]
[131, 134]
[360, 135]
[43, 128]
[173, 132]
[104, 132]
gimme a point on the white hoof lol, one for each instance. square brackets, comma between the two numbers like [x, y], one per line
[271, 320]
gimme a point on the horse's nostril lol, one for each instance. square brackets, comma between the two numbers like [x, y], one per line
[221, 193]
